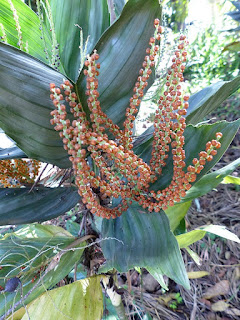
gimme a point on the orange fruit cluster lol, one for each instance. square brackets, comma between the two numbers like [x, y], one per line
[16, 172]
[119, 173]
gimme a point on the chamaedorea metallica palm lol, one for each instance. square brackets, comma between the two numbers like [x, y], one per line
[137, 181]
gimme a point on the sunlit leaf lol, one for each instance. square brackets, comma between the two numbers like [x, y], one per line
[81, 300]
[221, 231]
[186, 239]
[194, 256]
[29, 24]
[231, 179]
[176, 213]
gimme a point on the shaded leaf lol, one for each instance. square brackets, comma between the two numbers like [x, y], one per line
[74, 301]
[181, 228]
[236, 4]
[118, 6]
[11, 153]
[143, 239]
[122, 51]
[235, 15]
[18, 206]
[91, 16]
[25, 106]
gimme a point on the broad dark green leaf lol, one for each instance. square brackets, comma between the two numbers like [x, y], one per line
[25, 106]
[12, 153]
[122, 51]
[195, 141]
[210, 181]
[32, 250]
[142, 239]
[73, 301]
[19, 206]
[210, 98]
[29, 23]
[92, 16]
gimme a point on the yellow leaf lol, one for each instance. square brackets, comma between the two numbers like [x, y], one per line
[219, 306]
[197, 274]
[81, 300]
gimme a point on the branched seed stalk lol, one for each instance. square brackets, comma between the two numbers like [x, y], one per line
[3, 37]
[18, 27]
[40, 15]
[53, 58]
[123, 174]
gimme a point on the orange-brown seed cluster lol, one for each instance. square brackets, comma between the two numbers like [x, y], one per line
[14, 173]
[120, 172]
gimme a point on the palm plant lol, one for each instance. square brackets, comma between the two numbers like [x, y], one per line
[148, 181]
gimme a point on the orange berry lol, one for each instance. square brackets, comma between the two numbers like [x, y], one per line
[219, 135]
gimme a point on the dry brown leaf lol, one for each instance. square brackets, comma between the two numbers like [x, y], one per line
[218, 289]
[236, 273]
[219, 306]
[206, 302]
[212, 316]
[233, 312]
